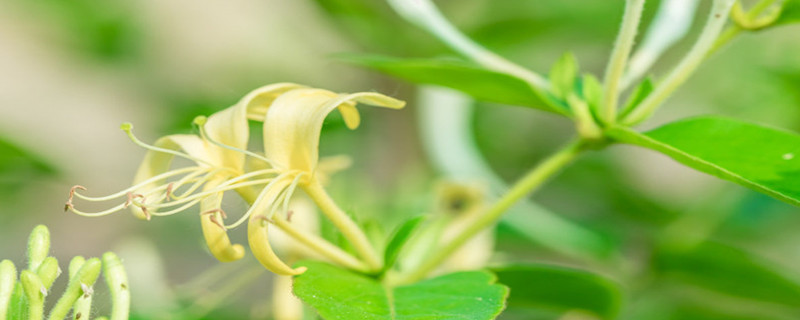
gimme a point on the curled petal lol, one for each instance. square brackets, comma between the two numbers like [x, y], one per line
[258, 237]
[230, 127]
[257, 232]
[157, 162]
[293, 123]
[215, 233]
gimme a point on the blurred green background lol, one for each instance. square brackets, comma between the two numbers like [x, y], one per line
[72, 70]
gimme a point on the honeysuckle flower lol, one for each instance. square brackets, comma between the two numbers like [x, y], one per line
[292, 117]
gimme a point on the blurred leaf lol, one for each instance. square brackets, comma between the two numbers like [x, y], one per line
[374, 25]
[480, 83]
[399, 238]
[103, 29]
[592, 91]
[728, 270]
[761, 158]
[563, 74]
[340, 294]
[637, 96]
[559, 289]
[790, 12]
[19, 167]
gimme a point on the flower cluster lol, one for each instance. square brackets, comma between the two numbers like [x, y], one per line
[292, 117]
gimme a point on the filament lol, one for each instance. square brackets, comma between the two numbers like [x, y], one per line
[142, 184]
[201, 124]
[128, 128]
[258, 200]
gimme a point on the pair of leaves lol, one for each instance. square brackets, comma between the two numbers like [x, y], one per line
[340, 294]
[764, 159]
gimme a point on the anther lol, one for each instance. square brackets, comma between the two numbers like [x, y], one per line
[169, 190]
[212, 211]
[215, 221]
[264, 220]
[289, 215]
[69, 205]
[147, 215]
[132, 196]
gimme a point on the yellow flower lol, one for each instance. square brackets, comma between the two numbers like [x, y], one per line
[292, 116]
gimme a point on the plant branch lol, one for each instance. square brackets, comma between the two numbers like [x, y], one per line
[530, 182]
[716, 20]
[734, 30]
[619, 59]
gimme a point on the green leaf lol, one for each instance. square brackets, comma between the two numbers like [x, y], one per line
[764, 159]
[559, 289]
[639, 93]
[341, 294]
[478, 82]
[592, 91]
[790, 12]
[728, 270]
[399, 239]
[563, 75]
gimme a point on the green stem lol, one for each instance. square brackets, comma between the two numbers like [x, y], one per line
[530, 182]
[734, 30]
[716, 20]
[321, 246]
[342, 221]
[619, 58]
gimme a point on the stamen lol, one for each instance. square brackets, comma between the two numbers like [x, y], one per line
[168, 193]
[143, 183]
[290, 192]
[220, 188]
[98, 214]
[200, 121]
[128, 128]
[71, 195]
[179, 209]
[215, 221]
[132, 196]
[146, 213]
[259, 199]
[196, 183]
[213, 211]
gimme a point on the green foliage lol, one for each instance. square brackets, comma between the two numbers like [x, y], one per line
[761, 158]
[19, 167]
[790, 12]
[563, 75]
[559, 290]
[480, 83]
[728, 270]
[340, 294]
[591, 91]
[399, 238]
[638, 95]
